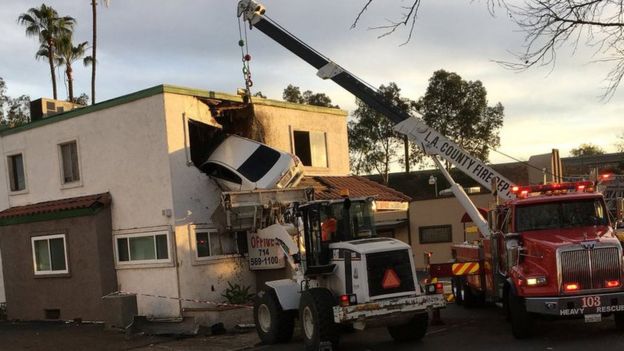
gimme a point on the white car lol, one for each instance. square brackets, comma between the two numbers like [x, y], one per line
[240, 164]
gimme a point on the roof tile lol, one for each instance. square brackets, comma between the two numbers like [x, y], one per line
[72, 203]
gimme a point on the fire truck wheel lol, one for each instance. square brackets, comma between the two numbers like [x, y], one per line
[458, 291]
[619, 320]
[521, 320]
[413, 330]
[470, 298]
[273, 324]
[317, 318]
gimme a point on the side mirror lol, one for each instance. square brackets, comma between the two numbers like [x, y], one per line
[513, 252]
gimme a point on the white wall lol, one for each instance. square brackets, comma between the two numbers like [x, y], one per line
[122, 150]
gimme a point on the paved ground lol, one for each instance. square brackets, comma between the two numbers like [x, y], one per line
[45, 336]
[465, 330]
[484, 329]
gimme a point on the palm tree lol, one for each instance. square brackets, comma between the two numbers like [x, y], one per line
[93, 48]
[45, 23]
[67, 54]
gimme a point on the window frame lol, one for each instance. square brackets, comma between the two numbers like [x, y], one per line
[196, 229]
[309, 133]
[76, 183]
[48, 238]
[153, 234]
[422, 228]
[9, 175]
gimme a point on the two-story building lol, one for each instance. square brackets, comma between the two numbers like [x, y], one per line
[106, 198]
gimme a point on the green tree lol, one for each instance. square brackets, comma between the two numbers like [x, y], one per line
[620, 144]
[293, 94]
[13, 112]
[45, 24]
[373, 144]
[67, 54]
[83, 99]
[459, 110]
[92, 59]
[587, 149]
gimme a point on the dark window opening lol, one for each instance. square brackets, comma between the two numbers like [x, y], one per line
[16, 172]
[241, 242]
[203, 140]
[259, 163]
[435, 234]
[302, 147]
[311, 148]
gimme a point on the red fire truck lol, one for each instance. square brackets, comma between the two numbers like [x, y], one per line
[551, 251]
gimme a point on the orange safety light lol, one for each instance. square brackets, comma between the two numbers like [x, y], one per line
[612, 283]
[390, 279]
[571, 287]
[515, 189]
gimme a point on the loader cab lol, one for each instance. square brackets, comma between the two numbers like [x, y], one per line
[326, 222]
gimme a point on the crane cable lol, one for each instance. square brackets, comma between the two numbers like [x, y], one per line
[245, 58]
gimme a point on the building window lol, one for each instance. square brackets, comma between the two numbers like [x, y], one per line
[311, 148]
[436, 234]
[210, 243]
[143, 248]
[49, 254]
[70, 171]
[16, 172]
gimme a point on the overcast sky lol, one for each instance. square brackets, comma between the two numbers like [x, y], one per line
[193, 43]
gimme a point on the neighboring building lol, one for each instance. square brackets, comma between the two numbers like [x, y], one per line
[138, 149]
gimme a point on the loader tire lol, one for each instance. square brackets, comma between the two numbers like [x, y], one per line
[413, 330]
[317, 319]
[273, 324]
[458, 291]
[521, 319]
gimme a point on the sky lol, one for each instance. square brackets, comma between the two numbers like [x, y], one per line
[142, 43]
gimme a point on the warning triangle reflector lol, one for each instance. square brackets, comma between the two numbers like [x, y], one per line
[390, 279]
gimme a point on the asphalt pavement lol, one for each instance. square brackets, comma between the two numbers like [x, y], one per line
[484, 329]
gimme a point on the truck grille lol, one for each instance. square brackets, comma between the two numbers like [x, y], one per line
[377, 264]
[591, 268]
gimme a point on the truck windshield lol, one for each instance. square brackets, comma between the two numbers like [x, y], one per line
[562, 214]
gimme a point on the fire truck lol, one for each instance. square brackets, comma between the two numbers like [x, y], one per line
[544, 250]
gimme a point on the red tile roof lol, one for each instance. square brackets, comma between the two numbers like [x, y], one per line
[73, 203]
[328, 188]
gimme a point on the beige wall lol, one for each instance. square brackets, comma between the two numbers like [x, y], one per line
[439, 211]
[401, 232]
[280, 122]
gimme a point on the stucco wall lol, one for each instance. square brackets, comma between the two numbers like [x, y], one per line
[440, 211]
[195, 198]
[123, 150]
[279, 123]
[76, 294]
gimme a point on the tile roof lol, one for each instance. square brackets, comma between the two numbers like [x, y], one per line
[328, 188]
[73, 203]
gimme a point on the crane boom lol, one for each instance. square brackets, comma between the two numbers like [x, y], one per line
[413, 127]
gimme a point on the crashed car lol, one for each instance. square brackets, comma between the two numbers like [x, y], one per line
[240, 164]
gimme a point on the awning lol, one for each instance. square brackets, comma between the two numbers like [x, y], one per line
[393, 224]
[55, 209]
[466, 218]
